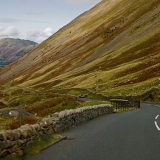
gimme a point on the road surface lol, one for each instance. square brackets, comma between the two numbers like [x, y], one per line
[131, 135]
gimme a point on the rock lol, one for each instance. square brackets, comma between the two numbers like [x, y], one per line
[36, 127]
[17, 134]
[10, 135]
[8, 144]
[42, 125]
[20, 153]
[13, 149]
[47, 121]
[21, 142]
[3, 153]
[24, 133]
[3, 136]
[28, 129]
[62, 114]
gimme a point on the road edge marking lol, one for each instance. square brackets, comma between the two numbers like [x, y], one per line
[156, 116]
[157, 125]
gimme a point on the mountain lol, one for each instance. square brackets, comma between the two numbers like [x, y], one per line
[112, 49]
[12, 49]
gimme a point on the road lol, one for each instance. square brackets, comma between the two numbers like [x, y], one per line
[131, 135]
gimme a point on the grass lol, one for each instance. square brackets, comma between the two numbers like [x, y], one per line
[86, 61]
[91, 103]
[4, 121]
[13, 122]
[38, 144]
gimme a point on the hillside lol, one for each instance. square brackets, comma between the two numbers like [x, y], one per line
[12, 49]
[112, 49]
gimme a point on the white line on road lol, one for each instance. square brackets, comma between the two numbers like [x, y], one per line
[157, 105]
[156, 116]
[157, 125]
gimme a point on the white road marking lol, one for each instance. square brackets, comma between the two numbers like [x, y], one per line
[156, 116]
[157, 105]
[157, 125]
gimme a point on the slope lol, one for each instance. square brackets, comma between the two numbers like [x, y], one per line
[113, 49]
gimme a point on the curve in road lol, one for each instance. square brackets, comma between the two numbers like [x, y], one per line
[121, 136]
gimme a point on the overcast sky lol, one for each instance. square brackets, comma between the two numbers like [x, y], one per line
[36, 20]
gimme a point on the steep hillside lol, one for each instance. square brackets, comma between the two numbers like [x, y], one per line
[113, 49]
[12, 49]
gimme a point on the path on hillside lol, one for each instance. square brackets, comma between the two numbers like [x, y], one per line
[122, 136]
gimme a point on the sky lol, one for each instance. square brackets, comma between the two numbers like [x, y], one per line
[36, 20]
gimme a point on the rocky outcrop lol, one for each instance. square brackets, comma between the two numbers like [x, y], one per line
[15, 141]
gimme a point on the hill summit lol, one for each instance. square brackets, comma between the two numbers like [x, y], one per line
[12, 49]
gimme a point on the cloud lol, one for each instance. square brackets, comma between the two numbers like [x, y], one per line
[37, 36]
[10, 31]
[47, 32]
[84, 1]
[33, 33]
[1, 29]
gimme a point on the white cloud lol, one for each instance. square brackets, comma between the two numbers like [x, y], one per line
[10, 31]
[1, 29]
[84, 1]
[47, 32]
[33, 33]
[37, 36]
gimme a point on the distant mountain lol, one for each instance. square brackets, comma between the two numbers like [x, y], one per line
[112, 49]
[12, 49]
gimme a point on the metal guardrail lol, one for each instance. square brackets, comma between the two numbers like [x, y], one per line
[124, 104]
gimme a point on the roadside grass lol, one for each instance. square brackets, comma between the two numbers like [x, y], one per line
[34, 148]
[4, 121]
[92, 103]
[13, 122]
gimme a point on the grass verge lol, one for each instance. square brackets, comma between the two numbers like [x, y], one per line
[38, 144]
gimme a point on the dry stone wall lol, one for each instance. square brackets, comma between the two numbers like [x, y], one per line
[15, 141]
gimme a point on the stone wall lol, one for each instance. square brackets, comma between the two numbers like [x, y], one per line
[15, 141]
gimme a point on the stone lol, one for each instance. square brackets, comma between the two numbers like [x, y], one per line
[21, 142]
[28, 128]
[3, 153]
[20, 153]
[17, 134]
[42, 125]
[48, 121]
[24, 133]
[62, 114]
[7, 144]
[3, 135]
[10, 135]
[13, 149]
[36, 127]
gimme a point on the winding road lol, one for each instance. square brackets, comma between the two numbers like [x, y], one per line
[131, 135]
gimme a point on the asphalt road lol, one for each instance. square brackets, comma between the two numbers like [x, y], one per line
[132, 135]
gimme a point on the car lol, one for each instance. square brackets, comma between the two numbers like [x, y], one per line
[81, 96]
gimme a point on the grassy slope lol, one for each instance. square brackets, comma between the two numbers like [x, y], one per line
[111, 46]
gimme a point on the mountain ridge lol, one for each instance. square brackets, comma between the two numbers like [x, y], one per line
[12, 49]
